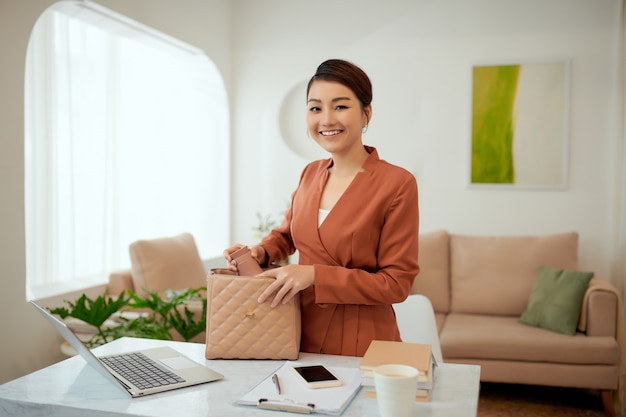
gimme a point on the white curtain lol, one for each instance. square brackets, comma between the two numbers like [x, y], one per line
[123, 142]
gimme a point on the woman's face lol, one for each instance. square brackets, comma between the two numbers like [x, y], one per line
[335, 118]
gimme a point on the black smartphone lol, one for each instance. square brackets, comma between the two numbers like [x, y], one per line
[317, 376]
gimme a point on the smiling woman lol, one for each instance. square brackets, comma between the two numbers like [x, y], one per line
[126, 138]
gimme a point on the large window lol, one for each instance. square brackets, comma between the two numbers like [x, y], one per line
[126, 138]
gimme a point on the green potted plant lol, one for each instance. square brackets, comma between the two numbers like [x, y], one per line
[152, 316]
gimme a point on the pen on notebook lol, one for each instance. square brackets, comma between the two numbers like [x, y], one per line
[286, 406]
[276, 383]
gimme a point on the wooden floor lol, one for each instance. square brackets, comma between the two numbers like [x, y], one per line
[510, 400]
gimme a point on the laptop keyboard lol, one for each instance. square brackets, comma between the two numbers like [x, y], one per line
[141, 370]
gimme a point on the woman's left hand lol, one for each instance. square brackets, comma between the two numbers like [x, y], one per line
[290, 280]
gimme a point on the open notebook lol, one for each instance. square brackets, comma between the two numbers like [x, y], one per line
[297, 397]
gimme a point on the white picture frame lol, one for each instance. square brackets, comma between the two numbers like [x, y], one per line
[519, 135]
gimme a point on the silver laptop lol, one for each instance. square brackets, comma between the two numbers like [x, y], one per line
[142, 372]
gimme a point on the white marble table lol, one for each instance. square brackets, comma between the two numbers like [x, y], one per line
[72, 388]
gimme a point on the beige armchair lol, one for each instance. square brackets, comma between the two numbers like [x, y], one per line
[160, 264]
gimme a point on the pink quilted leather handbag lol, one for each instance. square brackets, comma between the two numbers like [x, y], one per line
[238, 327]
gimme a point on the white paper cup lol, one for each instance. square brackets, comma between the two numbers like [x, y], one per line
[396, 387]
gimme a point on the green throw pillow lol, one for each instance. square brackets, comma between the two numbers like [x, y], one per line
[556, 300]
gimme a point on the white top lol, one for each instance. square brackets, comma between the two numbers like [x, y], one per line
[321, 216]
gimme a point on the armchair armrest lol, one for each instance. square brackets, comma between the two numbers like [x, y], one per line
[120, 281]
[598, 316]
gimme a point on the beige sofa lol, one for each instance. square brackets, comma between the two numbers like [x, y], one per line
[479, 287]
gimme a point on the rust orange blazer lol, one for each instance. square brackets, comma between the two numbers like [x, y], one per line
[364, 253]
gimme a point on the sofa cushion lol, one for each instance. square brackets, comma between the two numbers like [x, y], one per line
[495, 274]
[475, 336]
[166, 263]
[433, 280]
[556, 300]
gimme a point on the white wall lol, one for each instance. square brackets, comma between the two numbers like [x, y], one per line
[418, 54]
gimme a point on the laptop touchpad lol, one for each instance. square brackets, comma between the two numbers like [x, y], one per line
[178, 362]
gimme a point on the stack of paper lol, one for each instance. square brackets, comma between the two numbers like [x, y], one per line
[296, 396]
[417, 355]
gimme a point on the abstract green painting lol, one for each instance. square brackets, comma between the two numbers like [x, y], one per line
[519, 124]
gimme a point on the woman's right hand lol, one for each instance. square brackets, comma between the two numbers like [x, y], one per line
[257, 252]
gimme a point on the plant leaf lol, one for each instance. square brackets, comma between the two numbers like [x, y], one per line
[94, 312]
